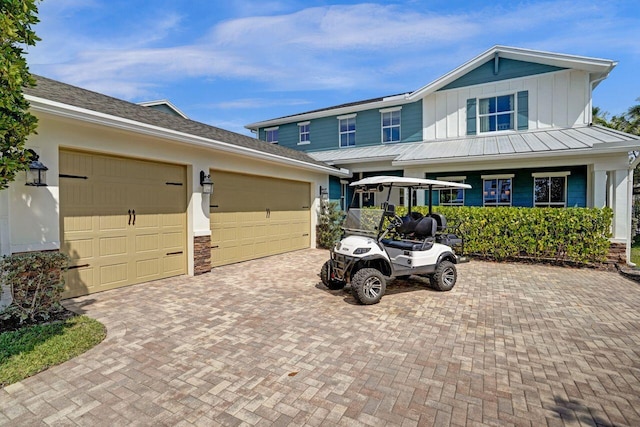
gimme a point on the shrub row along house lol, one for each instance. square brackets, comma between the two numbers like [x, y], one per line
[127, 189]
[514, 123]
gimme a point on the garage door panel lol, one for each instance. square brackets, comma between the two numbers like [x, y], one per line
[124, 250]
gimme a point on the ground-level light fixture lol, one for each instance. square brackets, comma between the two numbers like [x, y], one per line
[207, 184]
[37, 172]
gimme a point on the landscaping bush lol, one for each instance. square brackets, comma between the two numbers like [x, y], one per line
[36, 283]
[579, 235]
[328, 230]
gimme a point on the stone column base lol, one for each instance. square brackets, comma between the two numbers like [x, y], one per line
[201, 255]
[617, 253]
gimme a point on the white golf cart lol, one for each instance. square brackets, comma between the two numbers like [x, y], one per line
[378, 244]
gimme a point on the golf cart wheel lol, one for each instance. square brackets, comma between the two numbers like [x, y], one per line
[368, 286]
[334, 285]
[445, 276]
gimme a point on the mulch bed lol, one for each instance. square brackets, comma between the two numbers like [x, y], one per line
[14, 324]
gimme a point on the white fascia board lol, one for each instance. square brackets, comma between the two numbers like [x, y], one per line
[386, 102]
[90, 116]
[592, 65]
[164, 102]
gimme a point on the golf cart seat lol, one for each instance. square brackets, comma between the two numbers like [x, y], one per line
[424, 229]
[440, 220]
[408, 225]
[444, 238]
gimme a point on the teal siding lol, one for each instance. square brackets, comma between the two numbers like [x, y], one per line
[522, 185]
[471, 116]
[334, 188]
[507, 69]
[324, 133]
[523, 110]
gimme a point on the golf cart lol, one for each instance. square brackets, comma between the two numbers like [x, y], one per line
[378, 244]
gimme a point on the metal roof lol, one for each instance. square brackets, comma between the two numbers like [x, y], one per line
[532, 143]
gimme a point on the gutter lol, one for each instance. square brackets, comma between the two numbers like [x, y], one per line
[90, 116]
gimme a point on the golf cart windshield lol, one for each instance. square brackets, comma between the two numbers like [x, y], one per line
[363, 222]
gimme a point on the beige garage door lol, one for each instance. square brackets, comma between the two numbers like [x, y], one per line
[123, 221]
[253, 216]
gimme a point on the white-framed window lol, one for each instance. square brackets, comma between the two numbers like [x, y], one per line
[390, 119]
[347, 130]
[401, 197]
[452, 196]
[496, 190]
[550, 189]
[496, 113]
[303, 133]
[271, 135]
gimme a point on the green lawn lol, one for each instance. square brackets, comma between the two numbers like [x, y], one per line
[635, 253]
[32, 349]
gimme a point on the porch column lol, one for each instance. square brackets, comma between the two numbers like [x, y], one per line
[619, 181]
[599, 188]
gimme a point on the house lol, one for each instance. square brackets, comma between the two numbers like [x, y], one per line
[123, 195]
[514, 123]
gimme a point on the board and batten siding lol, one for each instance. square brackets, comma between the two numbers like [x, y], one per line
[556, 100]
[324, 133]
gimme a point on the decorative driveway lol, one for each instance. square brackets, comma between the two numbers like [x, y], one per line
[263, 343]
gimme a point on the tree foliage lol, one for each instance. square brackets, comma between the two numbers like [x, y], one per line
[628, 121]
[16, 123]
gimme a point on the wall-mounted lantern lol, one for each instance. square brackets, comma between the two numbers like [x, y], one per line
[324, 193]
[37, 172]
[207, 184]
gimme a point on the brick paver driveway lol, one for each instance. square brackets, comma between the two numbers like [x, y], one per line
[264, 343]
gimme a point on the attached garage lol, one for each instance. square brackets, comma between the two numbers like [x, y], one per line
[255, 216]
[123, 221]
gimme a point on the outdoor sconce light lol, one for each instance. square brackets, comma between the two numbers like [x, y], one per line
[324, 193]
[207, 184]
[37, 172]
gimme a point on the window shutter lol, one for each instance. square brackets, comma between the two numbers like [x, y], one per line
[523, 110]
[471, 116]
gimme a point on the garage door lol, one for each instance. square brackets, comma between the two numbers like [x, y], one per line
[253, 216]
[123, 221]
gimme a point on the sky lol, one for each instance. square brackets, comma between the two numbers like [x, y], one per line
[234, 62]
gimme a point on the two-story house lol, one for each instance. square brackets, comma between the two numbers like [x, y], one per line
[514, 123]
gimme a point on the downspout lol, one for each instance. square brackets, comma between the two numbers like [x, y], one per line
[632, 168]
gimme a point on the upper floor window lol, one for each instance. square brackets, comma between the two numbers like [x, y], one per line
[497, 190]
[303, 133]
[271, 135]
[452, 196]
[347, 129]
[391, 125]
[496, 113]
[550, 189]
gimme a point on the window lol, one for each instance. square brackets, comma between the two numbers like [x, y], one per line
[550, 189]
[303, 132]
[347, 128]
[401, 198]
[496, 113]
[497, 190]
[271, 135]
[390, 125]
[452, 196]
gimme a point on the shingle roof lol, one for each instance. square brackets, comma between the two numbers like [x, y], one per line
[467, 148]
[71, 95]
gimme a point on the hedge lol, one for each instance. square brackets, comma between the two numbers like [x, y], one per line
[577, 235]
[36, 284]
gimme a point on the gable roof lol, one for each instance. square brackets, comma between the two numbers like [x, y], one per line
[587, 139]
[63, 99]
[598, 68]
[164, 105]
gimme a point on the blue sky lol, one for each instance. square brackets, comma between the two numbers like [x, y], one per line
[230, 63]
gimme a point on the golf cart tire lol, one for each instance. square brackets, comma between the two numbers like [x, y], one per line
[445, 276]
[334, 285]
[368, 286]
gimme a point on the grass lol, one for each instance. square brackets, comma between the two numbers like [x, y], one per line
[33, 349]
[635, 253]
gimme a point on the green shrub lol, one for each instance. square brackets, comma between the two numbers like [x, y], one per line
[578, 235]
[328, 230]
[36, 284]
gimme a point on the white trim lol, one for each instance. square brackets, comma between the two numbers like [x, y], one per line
[308, 122]
[304, 143]
[390, 110]
[550, 174]
[498, 176]
[308, 133]
[90, 116]
[271, 128]
[347, 116]
[451, 178]
[383, 127]
[164, 102]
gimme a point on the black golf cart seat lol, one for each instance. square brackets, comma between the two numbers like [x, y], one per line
[423, 230]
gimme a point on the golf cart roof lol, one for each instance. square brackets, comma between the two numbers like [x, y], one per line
[400, 181]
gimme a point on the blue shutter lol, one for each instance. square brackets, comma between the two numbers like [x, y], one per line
[523, 110]
[471, 116]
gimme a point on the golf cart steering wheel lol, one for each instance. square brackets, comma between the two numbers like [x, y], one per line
[396, 221]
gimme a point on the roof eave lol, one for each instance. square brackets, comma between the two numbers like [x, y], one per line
[90, 116]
